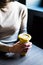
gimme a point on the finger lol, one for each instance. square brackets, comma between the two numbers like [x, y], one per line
[17, 42]
[25, 50]
[30, 47]
[28, 44]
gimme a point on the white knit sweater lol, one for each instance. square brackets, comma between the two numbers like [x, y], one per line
[14, 18]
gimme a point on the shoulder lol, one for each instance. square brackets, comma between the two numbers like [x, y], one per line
[19, 5]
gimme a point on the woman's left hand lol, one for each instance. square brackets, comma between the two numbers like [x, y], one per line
[28, 45]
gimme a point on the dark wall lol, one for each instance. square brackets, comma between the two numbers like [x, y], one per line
[22, 1]
[38, 31]
[41, 3]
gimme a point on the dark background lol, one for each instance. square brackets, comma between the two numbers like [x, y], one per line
[41, 3]
[37, 27]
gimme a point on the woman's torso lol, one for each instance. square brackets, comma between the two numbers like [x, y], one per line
[10, 22]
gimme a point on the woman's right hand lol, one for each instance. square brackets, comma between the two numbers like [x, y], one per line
[20, 48]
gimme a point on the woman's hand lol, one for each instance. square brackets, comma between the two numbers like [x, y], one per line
[21, 48]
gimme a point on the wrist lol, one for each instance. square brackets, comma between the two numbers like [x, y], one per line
[12, 49]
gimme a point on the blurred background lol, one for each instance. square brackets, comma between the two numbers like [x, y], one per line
[35, 20]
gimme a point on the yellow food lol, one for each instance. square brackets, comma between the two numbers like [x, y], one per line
[23, 39]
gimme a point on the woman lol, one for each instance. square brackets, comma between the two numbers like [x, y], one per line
[13, 18]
